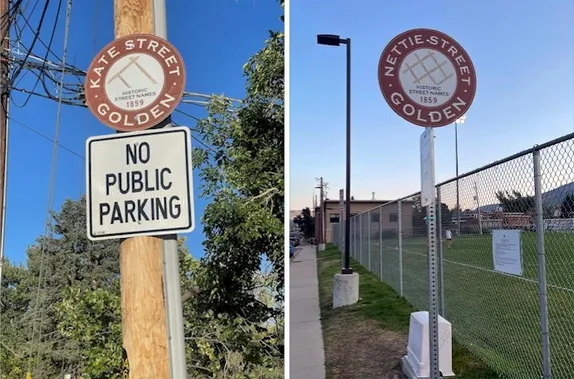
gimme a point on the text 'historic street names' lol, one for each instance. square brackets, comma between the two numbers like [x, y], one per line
[139, 184]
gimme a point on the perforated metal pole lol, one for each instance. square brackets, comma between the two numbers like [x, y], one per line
[542, 285]
[400, 219]
[432, 274]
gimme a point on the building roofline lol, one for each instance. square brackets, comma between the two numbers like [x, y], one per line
[381, 202]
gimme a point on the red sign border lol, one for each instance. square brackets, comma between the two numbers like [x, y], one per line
[96, 96]
[397, 87]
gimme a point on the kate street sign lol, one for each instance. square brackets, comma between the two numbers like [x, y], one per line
[427, 78]
[135, 82]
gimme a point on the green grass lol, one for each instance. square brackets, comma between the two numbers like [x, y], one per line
[380, 302]
[496, 316]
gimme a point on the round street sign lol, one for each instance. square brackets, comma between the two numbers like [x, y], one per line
[135, 82]
[427, 78]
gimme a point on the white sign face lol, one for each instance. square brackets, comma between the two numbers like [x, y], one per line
[507, 251]
[134, 82]
[427, 167]
[139, 183]
[428, 77]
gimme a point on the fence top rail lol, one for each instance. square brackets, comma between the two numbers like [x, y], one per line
[509, 158]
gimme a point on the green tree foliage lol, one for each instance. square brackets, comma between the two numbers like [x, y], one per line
[243, 174]
[31, 294]
[306, 223]
[515, 202]
[81, 325]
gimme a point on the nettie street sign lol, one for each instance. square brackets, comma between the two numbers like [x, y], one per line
[135, 82]
[427, 78]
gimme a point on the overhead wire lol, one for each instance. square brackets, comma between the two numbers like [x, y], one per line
[51, 188]
[47, 138]
[48, 49]
[36, 36]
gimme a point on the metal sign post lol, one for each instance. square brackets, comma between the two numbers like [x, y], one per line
[428, 79]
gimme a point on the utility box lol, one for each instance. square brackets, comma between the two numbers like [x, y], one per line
[416, 364]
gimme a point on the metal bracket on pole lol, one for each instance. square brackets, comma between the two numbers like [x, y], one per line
[172, 289]
[171, 274]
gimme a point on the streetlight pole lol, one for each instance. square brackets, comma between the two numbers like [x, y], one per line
[458, 121]
[335, 40]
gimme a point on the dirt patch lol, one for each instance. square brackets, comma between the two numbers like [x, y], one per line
[360, 348]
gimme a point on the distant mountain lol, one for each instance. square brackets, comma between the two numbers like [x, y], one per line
[553, 198]
[490, 208]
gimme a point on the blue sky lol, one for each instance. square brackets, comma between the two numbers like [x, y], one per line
[215, 38]
[523, 55]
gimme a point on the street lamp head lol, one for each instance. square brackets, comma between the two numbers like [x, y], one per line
[329, 39]
[461, 119]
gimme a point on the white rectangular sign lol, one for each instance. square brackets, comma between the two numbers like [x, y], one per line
[139, 183]
[427, 167]
[507, 251]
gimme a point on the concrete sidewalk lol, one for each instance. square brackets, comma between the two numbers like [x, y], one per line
[306, 355]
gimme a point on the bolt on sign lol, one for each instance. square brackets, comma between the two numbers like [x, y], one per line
[427, 78]
[139, 183]
[135, 82]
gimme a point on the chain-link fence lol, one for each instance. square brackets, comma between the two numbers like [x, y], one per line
[516, 312]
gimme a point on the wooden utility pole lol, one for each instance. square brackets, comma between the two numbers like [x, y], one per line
[144, 323]
[4, 96]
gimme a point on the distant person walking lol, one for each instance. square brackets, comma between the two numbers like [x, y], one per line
[449, 238]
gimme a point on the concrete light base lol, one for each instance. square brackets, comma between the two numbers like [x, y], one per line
[345, 289]
[321, 247]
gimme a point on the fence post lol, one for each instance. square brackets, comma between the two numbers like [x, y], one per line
[355, 233]
[381, 241]
[354, 237]
[440, 251]
[361, 238]
[369, 230]
[400, 219]
[542, 285]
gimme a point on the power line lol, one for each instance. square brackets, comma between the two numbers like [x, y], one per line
[36, 36]
[51, 187]
[48, 49]
[31, 129]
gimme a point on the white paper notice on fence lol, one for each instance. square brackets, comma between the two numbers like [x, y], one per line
[507, 251]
